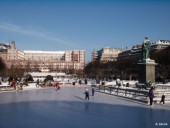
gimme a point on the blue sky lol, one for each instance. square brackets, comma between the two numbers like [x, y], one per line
[85, 25]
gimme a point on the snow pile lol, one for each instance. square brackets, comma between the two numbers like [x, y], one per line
[31, 86]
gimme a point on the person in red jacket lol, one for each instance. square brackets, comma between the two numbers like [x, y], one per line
[57, 85]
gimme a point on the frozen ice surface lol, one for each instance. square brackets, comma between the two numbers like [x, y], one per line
[47, 108]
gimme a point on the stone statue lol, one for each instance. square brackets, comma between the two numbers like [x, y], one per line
[146, 48]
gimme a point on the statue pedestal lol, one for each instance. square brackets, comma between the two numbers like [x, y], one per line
[146, 70]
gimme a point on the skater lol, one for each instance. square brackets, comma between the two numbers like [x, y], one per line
[92, 91]
[57, 86]
[151, 95]
[127, 85]
[37, 85]
[86, 94]
[79, 82]
[85, 81]
[163, 99]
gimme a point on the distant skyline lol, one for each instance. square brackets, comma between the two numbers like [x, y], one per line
[59, 25]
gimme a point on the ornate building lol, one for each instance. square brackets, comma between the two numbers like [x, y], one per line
[36, 60]
[106, 54]
[136, 51]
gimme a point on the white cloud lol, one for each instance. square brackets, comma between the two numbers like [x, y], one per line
[19, 29]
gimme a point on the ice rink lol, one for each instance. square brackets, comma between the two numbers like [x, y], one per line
[47, 108]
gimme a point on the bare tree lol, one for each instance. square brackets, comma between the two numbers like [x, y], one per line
[2, 65]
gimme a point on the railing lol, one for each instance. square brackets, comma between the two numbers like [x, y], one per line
[131, 93]
[6, 88]
[163, 86]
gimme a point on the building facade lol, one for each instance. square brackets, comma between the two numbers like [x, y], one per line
[3, 51]
[44, 55]
[106, 54]
[36, 60]
[136, 51]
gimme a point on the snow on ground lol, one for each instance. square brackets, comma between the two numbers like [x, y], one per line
[31, 86]
[4, 84]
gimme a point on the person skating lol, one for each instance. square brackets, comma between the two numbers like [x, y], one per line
[86, 94]
[92, 91]
[162, 99]
[85, 81]
[151, 95]
[37, 84]
[79, 82]
[57, 86]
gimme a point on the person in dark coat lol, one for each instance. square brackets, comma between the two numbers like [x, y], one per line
[85, 81]
[151, 95]
[37, 85]
[86, 94]
[79, 82]
[163, 99]
[92, 91]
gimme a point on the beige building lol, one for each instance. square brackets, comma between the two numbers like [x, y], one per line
[136, 51]
[44, 55]
[3, 52]
[36, 60]
[106, 54]
[13, 53]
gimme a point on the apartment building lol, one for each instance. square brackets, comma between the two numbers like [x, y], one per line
[36, 60]
[136, 51]
[106, 54]
[13, 53]
[3, 51]
[44, 55]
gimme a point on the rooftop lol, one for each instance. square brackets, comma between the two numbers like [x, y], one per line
[49, 52]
